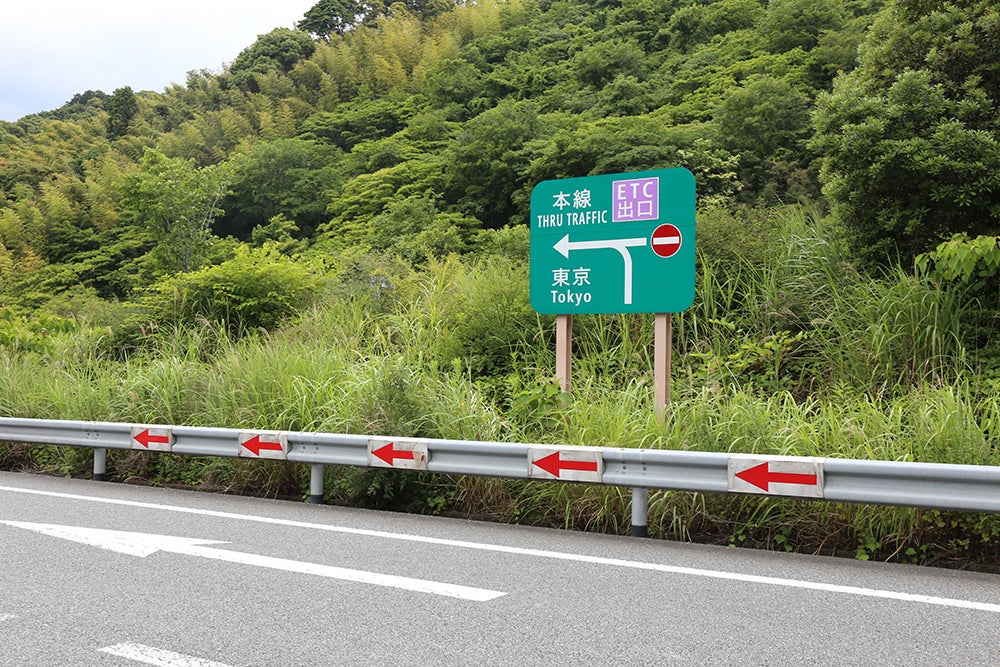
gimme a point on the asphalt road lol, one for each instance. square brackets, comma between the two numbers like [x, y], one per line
[257, 582]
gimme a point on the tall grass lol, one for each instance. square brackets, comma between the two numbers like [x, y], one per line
[792, 353]
[803, 319]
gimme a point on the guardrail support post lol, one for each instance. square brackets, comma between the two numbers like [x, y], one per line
[100, 464]
[640, 513]
[316, 484]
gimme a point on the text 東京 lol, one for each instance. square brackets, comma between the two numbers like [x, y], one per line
[580, 278]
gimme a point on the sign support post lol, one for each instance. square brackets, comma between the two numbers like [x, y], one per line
[564, 352]
[662, 345]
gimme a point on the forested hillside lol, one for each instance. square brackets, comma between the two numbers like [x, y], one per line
[432, 121]
[355, 193]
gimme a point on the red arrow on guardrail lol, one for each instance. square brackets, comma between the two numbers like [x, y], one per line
[389, 454]
[762, 477]
[554, 465]
[146, 438]
[256, 445]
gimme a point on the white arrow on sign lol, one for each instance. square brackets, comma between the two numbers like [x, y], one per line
[144, 544]
[564, 247]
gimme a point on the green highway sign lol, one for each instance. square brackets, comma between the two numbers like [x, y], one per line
[615, 243]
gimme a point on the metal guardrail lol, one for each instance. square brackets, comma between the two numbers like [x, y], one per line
[927, 485]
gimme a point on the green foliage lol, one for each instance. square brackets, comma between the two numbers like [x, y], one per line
[477, 101]
[791, 24]
[361, 120]
[729, 236]
[258, 289]
[122, 108]
[279, 232]
[597, 64]
[758, 364]
[81, 106]
[909, 138]
[19, 334]
[414, 229]
[290, 177]
[486, 163]
[971, 267]
[176, 202]
[884, 334]
[696, 24]
[452, 82]
[512, 243]
[278, 50]
[365, 197]
[480, 318]
[328, 17]
[538, 405]
[386, 490]
[967, 261]
[766, 121]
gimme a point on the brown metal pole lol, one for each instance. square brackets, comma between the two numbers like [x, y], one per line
[661, 363]
[564, 351]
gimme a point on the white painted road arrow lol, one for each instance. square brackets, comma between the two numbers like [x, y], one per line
[564, 247]
[143, 544]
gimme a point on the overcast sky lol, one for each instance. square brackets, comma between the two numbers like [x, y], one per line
[51, 50]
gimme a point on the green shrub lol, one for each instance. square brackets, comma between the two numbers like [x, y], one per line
[726, 235]
[258, 289]
[31, 334]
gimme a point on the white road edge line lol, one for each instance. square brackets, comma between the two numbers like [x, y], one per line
[151, 655]
[554, 555]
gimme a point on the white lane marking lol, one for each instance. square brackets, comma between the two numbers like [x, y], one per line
[7, 617]
[145, 544]
[151, 655]
[539, 553]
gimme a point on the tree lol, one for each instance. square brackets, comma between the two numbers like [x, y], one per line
[427, 9]
[328, 17]
[368, 195]
[790, 24]
[122, 107]
[361, 120]
[911, 138]
[699, 22]
[415, 229]
[285, 176]
[176, 203]
[452, 81]
[614, 145]
[487, 162]
[599, 63]
[765, 122]
[278, 50]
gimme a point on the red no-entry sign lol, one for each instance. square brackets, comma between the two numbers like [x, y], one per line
[666, 240]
